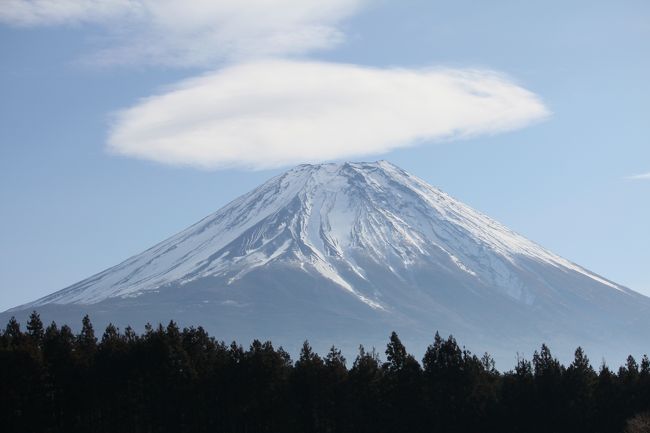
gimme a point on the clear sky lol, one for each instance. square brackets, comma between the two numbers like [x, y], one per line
[124, 121]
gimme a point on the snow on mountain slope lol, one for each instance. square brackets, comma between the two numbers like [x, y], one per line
[345, 253]
[322, 218]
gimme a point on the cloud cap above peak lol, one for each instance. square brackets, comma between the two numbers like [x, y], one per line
[275, 113]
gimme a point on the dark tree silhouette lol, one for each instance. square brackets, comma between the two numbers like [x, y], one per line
[183, 380]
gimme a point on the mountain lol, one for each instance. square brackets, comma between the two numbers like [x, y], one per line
[343, 254]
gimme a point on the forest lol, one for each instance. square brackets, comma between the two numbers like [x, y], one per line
[183, 380]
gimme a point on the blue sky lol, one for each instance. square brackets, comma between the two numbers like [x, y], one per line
[88, 179]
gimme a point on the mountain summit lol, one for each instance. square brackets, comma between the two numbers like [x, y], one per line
[343, 254]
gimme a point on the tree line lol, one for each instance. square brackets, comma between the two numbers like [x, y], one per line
[173, 380]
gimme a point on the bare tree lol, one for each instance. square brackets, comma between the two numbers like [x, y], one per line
[640, 423]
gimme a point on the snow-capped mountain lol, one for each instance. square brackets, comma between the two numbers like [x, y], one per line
[344, 253]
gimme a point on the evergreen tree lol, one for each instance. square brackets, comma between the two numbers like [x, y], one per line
[402, 391]
[607, 401]
[35, 328]
[645, 366]
[335, 391]
[13, 336]
[517, 396]
[365, 379]
[185, 381]
[86, 340]
[579, 387]
[549, 398]
[307, 380]
[445, 384]
[395, 354]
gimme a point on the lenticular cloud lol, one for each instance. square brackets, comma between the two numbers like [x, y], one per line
[275, 113]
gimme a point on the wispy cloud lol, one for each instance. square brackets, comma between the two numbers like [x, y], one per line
[645, 176]
[266, 113]
[193, 33]
[274, 113]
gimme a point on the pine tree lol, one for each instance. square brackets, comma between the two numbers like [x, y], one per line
[402, 390]
[365, 379]
[12, 334]
[579, 387]
[173, 380]
[445, 383]
[35, 328]
[86, 340]
[630, 370]
[395, 354]
[307, 381]
[549, 398]
[644, 367]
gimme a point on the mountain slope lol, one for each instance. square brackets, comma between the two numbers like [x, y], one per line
[343, 253]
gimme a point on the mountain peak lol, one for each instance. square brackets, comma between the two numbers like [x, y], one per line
[337, 167]
[331, 217]
[357, 239]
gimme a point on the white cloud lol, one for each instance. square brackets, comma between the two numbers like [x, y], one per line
[275, 113]
[645, 176]
[268, 113]
[196, 32]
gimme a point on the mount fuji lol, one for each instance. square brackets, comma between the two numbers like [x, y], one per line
[345, 253]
